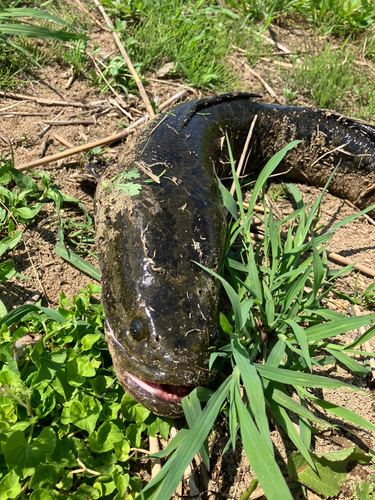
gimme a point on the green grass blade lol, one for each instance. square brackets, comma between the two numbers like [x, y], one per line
[254, 391]
[191, 445]
[20, 312]
[300, 334]
[235, 180]
[233, 297]
[175, 443]
[192, 409]
[305, 430]
[343, 413]
[34, 13]
[337, 327]
[350, 363]
[276, 354]
[301, 379]
[76, 261]
[228, 200]
[318, 270]
[266, 172]
[287, 402]
[282, 417]
[295, 290]
[252, 280]
[37, 32]
[259, 456]
[363, 338]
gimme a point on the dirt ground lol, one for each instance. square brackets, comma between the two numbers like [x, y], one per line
[50, 275]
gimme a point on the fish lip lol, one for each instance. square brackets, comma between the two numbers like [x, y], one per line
[163, 392]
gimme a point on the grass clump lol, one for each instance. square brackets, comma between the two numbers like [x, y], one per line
[277, 332]
[331, 79]
[326, 16]
[196, 36]
[68, 428]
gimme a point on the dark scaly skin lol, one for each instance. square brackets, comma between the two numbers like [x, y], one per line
[148, 243]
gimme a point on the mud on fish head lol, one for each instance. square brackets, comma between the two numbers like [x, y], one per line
[161, 308]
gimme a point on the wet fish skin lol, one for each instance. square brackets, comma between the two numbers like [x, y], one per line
[161, 308]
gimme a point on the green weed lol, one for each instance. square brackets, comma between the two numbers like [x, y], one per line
[277, 324]
[330, 79]
[328, 16]
[60, 408]
[15, 22]
[195, 35]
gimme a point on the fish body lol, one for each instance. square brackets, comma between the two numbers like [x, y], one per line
[161, 307]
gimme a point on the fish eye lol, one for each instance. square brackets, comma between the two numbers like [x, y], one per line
[137, 329]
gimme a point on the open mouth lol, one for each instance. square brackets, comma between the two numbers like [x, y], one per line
[165, 392]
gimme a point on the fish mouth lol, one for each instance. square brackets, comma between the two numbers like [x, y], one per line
[164, 392]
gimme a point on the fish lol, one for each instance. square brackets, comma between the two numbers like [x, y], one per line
[161, 307]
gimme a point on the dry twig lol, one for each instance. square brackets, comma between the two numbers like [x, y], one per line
[156, 463]
[62, 140]
[48, 102]
[92, 17]
[47, 127]
[70, 122]
[124, 54]
[366, 345]
[241, 163]
[44, 146]
[106, 140]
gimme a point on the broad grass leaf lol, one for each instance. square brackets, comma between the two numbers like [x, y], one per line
[192, 410]
[254, 391]
[363, 338]
[235, 180]
[341, 412]
[282, 399]
[337, 327]
[228, 200]
[34, 13]
[349, 362]
[37, 32]
[266, 172]
[252, 281]
[318, 269]
[259, 456]
[175, 443]
[301, 379]
[76, 261]
[277, 353]
[284, 421]
[190, 446]
[233, 297]
[20, 312]
[300, 335]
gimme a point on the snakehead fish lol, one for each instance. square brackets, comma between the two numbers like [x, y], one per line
[161, 308]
